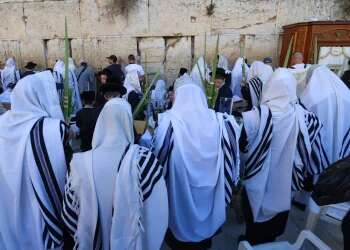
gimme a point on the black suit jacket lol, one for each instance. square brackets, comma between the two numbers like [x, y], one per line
[224, 92]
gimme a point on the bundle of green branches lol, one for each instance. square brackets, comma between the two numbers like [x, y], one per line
[146, 96]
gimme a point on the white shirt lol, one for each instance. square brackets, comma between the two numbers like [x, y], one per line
[134, 66]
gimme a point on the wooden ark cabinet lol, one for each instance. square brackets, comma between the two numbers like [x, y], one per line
[307, 35]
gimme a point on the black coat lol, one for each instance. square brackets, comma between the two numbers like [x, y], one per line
[224, 92]
[346, 78]
[27, 73]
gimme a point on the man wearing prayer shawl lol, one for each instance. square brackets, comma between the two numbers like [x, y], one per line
[329, 98]
[278, 153]
[237, 76]
[223, 63]
[58, 73]
[33, 166]
[258, 75]
[199, 151]
[9, 75]
[115, 196]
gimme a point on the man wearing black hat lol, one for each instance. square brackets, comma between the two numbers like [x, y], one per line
[86, 119]
[223, 85]
[182, 72]
[115, 69]
[29, 69]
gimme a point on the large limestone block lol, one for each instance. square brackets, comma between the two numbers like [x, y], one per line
[12, 25]
[45, 20]
[33, 50]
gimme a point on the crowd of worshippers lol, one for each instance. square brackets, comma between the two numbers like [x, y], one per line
[175, 184]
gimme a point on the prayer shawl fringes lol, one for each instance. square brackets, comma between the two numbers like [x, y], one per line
[50, 198]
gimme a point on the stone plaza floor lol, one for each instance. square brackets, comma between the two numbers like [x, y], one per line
[326, 231]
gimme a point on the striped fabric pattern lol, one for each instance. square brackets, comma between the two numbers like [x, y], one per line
[166, 149]
[345, 149]
[297, 178]
[256, 159]
[312, 164]
[150, 172]
[319, 160]
[50, 202]
[70, 210]
[256, 85]
[70, 217]
[230, 149]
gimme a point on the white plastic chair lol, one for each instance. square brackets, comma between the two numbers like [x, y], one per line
[284, 245]
[315, 213]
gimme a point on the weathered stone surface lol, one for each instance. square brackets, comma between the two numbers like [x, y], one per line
[34, 29]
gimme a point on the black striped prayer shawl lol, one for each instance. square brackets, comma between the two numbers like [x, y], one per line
[150, 172]
[257, 157]
[315, 163]
[256, 85]
[50, 202]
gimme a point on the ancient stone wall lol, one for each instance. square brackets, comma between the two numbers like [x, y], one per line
[164, 34]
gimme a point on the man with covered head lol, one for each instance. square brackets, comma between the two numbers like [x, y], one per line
[199, 150]
[277, 141]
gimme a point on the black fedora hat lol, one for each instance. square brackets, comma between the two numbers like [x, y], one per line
[30, 65]
[220, 73]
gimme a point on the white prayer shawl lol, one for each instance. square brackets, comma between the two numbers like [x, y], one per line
[236, 76]
[200, 72]
[271, 178]
[31, 147]
[10, 74]
[223, 63]
[140, 218]
[59, 72]
[329, 98]
[88, 202]
[158, 95]
[132, 82]
[256, 158]
[199, 150]
[258, 75]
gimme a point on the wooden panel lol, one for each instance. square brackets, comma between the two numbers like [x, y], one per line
[335, 33]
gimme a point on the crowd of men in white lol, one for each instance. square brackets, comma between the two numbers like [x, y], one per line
[120, 195]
